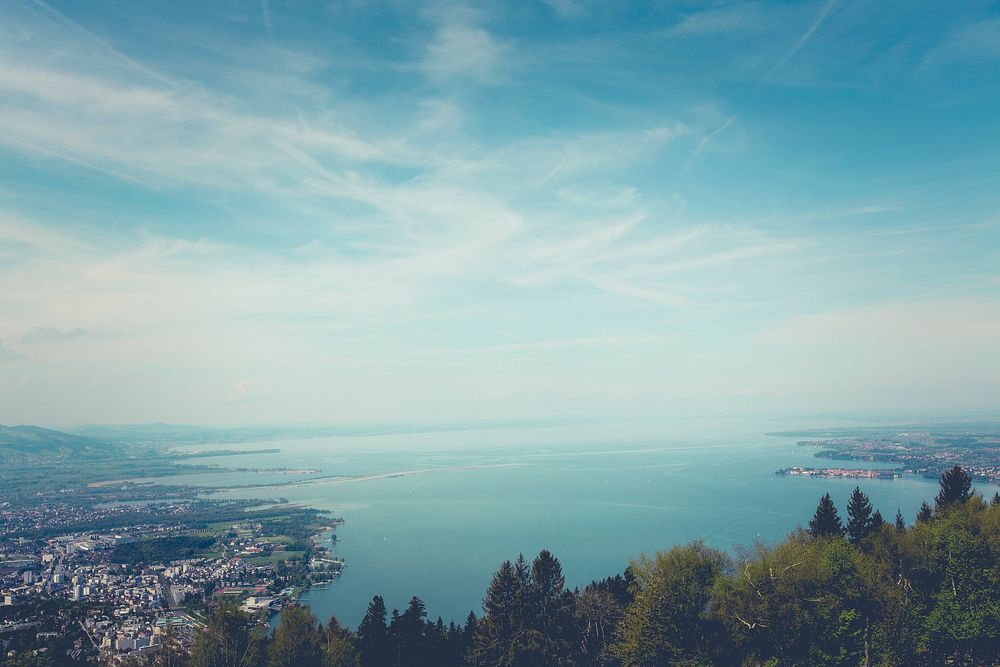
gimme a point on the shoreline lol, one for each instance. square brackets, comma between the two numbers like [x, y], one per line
[342, 479]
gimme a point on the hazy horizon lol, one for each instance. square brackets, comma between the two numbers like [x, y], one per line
[273, 213]
[621, 425]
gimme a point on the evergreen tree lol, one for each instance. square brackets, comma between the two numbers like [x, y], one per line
[900, 521]
[826, 522]
[876, 524]
[436, 649]
[374, 642]
[956, 487]
[393, 625]
[996, 499]
[925, 513]
[545, 591]
[551, 606]
[469, 630]
[462, 638]
[502, 601]
[859, 512]
[502, 604]
[522, 575]
[408, 630]
[528, 617]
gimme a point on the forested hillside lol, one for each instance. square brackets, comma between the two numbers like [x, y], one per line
[853, 590]
[29, 444]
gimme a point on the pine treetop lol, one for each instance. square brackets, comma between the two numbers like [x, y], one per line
[859, 512]
[826, 521]
[956, 487]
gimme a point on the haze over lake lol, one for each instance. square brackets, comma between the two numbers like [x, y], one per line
[434, 514]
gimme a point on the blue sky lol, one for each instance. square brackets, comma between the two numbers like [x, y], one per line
[277, 211]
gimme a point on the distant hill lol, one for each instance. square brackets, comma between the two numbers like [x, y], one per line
[147, 433]
[33, 443]
[180, 434]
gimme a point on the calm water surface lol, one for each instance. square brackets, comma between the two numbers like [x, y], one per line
[434, 514]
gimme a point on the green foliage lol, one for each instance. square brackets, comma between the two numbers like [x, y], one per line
[956, 487]
[339, 648]
[296, 641]
[859, 513]
[410, 634]
[228, 640]
[530, 617]
[668, 621]
[32, 659]
[160, 550]
[32, 444]
[374, 643]
[876, 523]
[826, 522]
[597, 613]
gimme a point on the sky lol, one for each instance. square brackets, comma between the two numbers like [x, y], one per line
[290, 212]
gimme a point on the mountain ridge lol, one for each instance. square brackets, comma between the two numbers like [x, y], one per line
[26, 443]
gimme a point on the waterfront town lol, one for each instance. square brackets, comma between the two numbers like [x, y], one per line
[899, 452]
[111, 595]
[843, 473]
[103, 558]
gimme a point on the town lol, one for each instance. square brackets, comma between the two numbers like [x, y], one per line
[845, 473]
[110, 595]
[904, 451]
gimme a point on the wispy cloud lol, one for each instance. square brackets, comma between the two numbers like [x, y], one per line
[735, 18]
[568, 8]
[461, 48]
[96, 44]
[953, 323]
[275, 224]
[968, 43]
[240, 390]
[627, 290]
[627, 341]
[802, 40]
[265, 15]
[706, 141]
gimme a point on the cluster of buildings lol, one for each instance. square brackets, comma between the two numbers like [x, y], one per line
[844, 473]
[52, 516]
[125, 609]
[915, 453]
[134, 633]
[75, 567]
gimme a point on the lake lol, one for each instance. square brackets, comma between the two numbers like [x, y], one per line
[434, 514]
